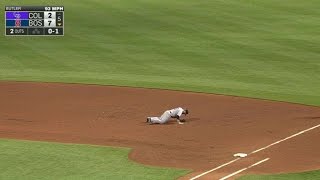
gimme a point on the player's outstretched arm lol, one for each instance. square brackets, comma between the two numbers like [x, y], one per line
[180, 121]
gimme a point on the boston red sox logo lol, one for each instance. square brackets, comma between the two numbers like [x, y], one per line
[18, 23]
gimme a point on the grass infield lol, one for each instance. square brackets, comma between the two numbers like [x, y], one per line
[41, 160]
[311, 175]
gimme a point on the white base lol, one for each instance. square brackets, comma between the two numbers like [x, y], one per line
[242, 155]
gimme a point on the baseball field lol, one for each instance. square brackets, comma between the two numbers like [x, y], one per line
[74, 107]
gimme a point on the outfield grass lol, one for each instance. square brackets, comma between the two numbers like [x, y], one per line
[262, 49]
[40, 160]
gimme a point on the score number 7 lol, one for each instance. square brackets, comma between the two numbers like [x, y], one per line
[49, 16]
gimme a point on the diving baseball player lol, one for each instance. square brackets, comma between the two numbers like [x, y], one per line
[165, 117]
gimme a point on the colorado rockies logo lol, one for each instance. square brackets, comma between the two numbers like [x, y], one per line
[17, 16]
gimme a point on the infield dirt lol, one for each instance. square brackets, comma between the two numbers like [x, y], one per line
[217, 127]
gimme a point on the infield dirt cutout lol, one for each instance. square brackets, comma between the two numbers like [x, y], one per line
[217, 127]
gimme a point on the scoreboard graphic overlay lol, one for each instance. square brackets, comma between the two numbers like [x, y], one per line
[34, 20]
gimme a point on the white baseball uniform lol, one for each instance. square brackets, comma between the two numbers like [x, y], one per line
[165, 117]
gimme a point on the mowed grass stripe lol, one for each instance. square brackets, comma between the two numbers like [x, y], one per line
[256, 49]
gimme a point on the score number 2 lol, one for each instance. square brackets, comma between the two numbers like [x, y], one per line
[50, 31]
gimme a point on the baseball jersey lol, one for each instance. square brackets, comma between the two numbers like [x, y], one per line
[176, 112]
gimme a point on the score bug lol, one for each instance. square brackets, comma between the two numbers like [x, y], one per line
[34, 21]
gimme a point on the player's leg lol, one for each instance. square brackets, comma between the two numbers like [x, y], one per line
[165, 117]
[154, 120]
[161, 120]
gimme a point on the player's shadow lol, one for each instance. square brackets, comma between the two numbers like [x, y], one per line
[310, 117]
[174, 122]
[192, 119]
[187, 120]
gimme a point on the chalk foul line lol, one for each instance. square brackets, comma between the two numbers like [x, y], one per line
[292, 136]
[258, 150]
[244, 169]
[196, 177]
